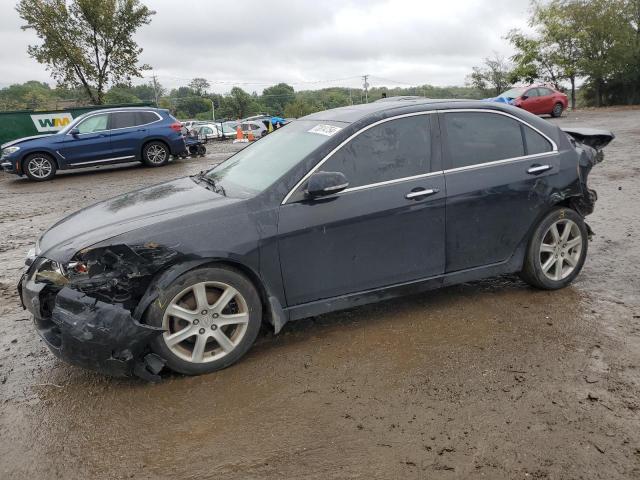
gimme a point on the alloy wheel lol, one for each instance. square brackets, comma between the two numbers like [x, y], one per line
[40, 167]
[156, 154]
[205, 322]
[560, 249]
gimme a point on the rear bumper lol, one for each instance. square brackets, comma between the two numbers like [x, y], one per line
[89, 333]
[177, 145]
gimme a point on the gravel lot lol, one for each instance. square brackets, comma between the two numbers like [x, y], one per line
[488, 379]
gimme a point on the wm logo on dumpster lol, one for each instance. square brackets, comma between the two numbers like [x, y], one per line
[51, 122]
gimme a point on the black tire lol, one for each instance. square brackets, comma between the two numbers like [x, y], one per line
[533, 272]
[202, 150]
[155, 154]
[39, 167]
[231, 277]
[557, 110]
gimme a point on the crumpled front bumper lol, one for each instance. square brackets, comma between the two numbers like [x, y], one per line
[89, 333]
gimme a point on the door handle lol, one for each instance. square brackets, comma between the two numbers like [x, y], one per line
[538, 169]
[421, 193]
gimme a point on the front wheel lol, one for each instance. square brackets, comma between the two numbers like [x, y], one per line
[557, 250]
[39, 167]
[210, 318]
[557, 110]
[155, 154]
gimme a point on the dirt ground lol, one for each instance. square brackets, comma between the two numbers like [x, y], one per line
[488, 379]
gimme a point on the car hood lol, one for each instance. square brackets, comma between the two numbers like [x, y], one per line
[125, 213]
[33, 138]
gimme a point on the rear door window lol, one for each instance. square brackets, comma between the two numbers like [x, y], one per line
[392, 150]
[124, 120]
[473, 138]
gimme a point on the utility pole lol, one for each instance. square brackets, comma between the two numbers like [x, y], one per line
[155, 88]
[365, 84]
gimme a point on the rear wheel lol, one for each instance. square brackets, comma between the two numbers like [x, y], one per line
[557, 110]
[155, 154]
[39, 167]
[557, 250]
[210, 318]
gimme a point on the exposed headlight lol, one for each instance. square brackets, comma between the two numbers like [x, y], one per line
[8, 151]
[51, 272]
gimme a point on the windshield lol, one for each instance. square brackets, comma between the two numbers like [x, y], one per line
[258, 166]
[513, 93]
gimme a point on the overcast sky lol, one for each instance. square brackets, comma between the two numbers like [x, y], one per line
[306, 43]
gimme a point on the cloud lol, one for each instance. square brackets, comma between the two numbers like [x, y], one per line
[303, 42]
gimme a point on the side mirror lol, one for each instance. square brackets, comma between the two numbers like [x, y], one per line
[74, 132]
[321, 184]
[524, 97]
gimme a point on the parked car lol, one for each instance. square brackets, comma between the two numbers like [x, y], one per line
[210, 131]
[539, 100]
[335, 210]
[101, 137]
[258, 128]
[189, 124]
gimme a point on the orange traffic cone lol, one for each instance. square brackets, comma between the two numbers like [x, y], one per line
[239, 135]
[250, 136]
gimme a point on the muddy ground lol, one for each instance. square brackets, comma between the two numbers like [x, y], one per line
[489, 379]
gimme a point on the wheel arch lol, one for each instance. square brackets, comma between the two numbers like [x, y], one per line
[272, 309]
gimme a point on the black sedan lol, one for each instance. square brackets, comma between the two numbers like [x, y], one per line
[338, 209]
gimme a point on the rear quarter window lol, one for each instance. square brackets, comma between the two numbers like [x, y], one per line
[535, 142]
[146, 117]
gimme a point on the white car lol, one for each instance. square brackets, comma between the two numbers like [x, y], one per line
[210, 131]
[257, 127]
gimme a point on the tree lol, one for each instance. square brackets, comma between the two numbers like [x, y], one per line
[535, 59]
[558, 32]
[601, 37]
[239, 103]
[200, 86]
[277, 97]
[494, 75]
[121, 94]
[87, 43]
[300, 108]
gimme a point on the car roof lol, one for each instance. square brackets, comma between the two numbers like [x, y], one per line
[125, 109]
[353, 113]
[372, 112]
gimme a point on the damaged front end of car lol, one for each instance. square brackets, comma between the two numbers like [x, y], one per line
[87, 309]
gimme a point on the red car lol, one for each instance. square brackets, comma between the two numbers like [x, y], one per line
[538, 99]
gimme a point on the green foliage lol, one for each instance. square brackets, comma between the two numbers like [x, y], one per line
[199, 86]
[87, 43]
[597, 39]
[277, 97]
[31, 95]
[120, 95]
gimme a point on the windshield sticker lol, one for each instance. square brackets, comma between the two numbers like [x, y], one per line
[327, 130]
